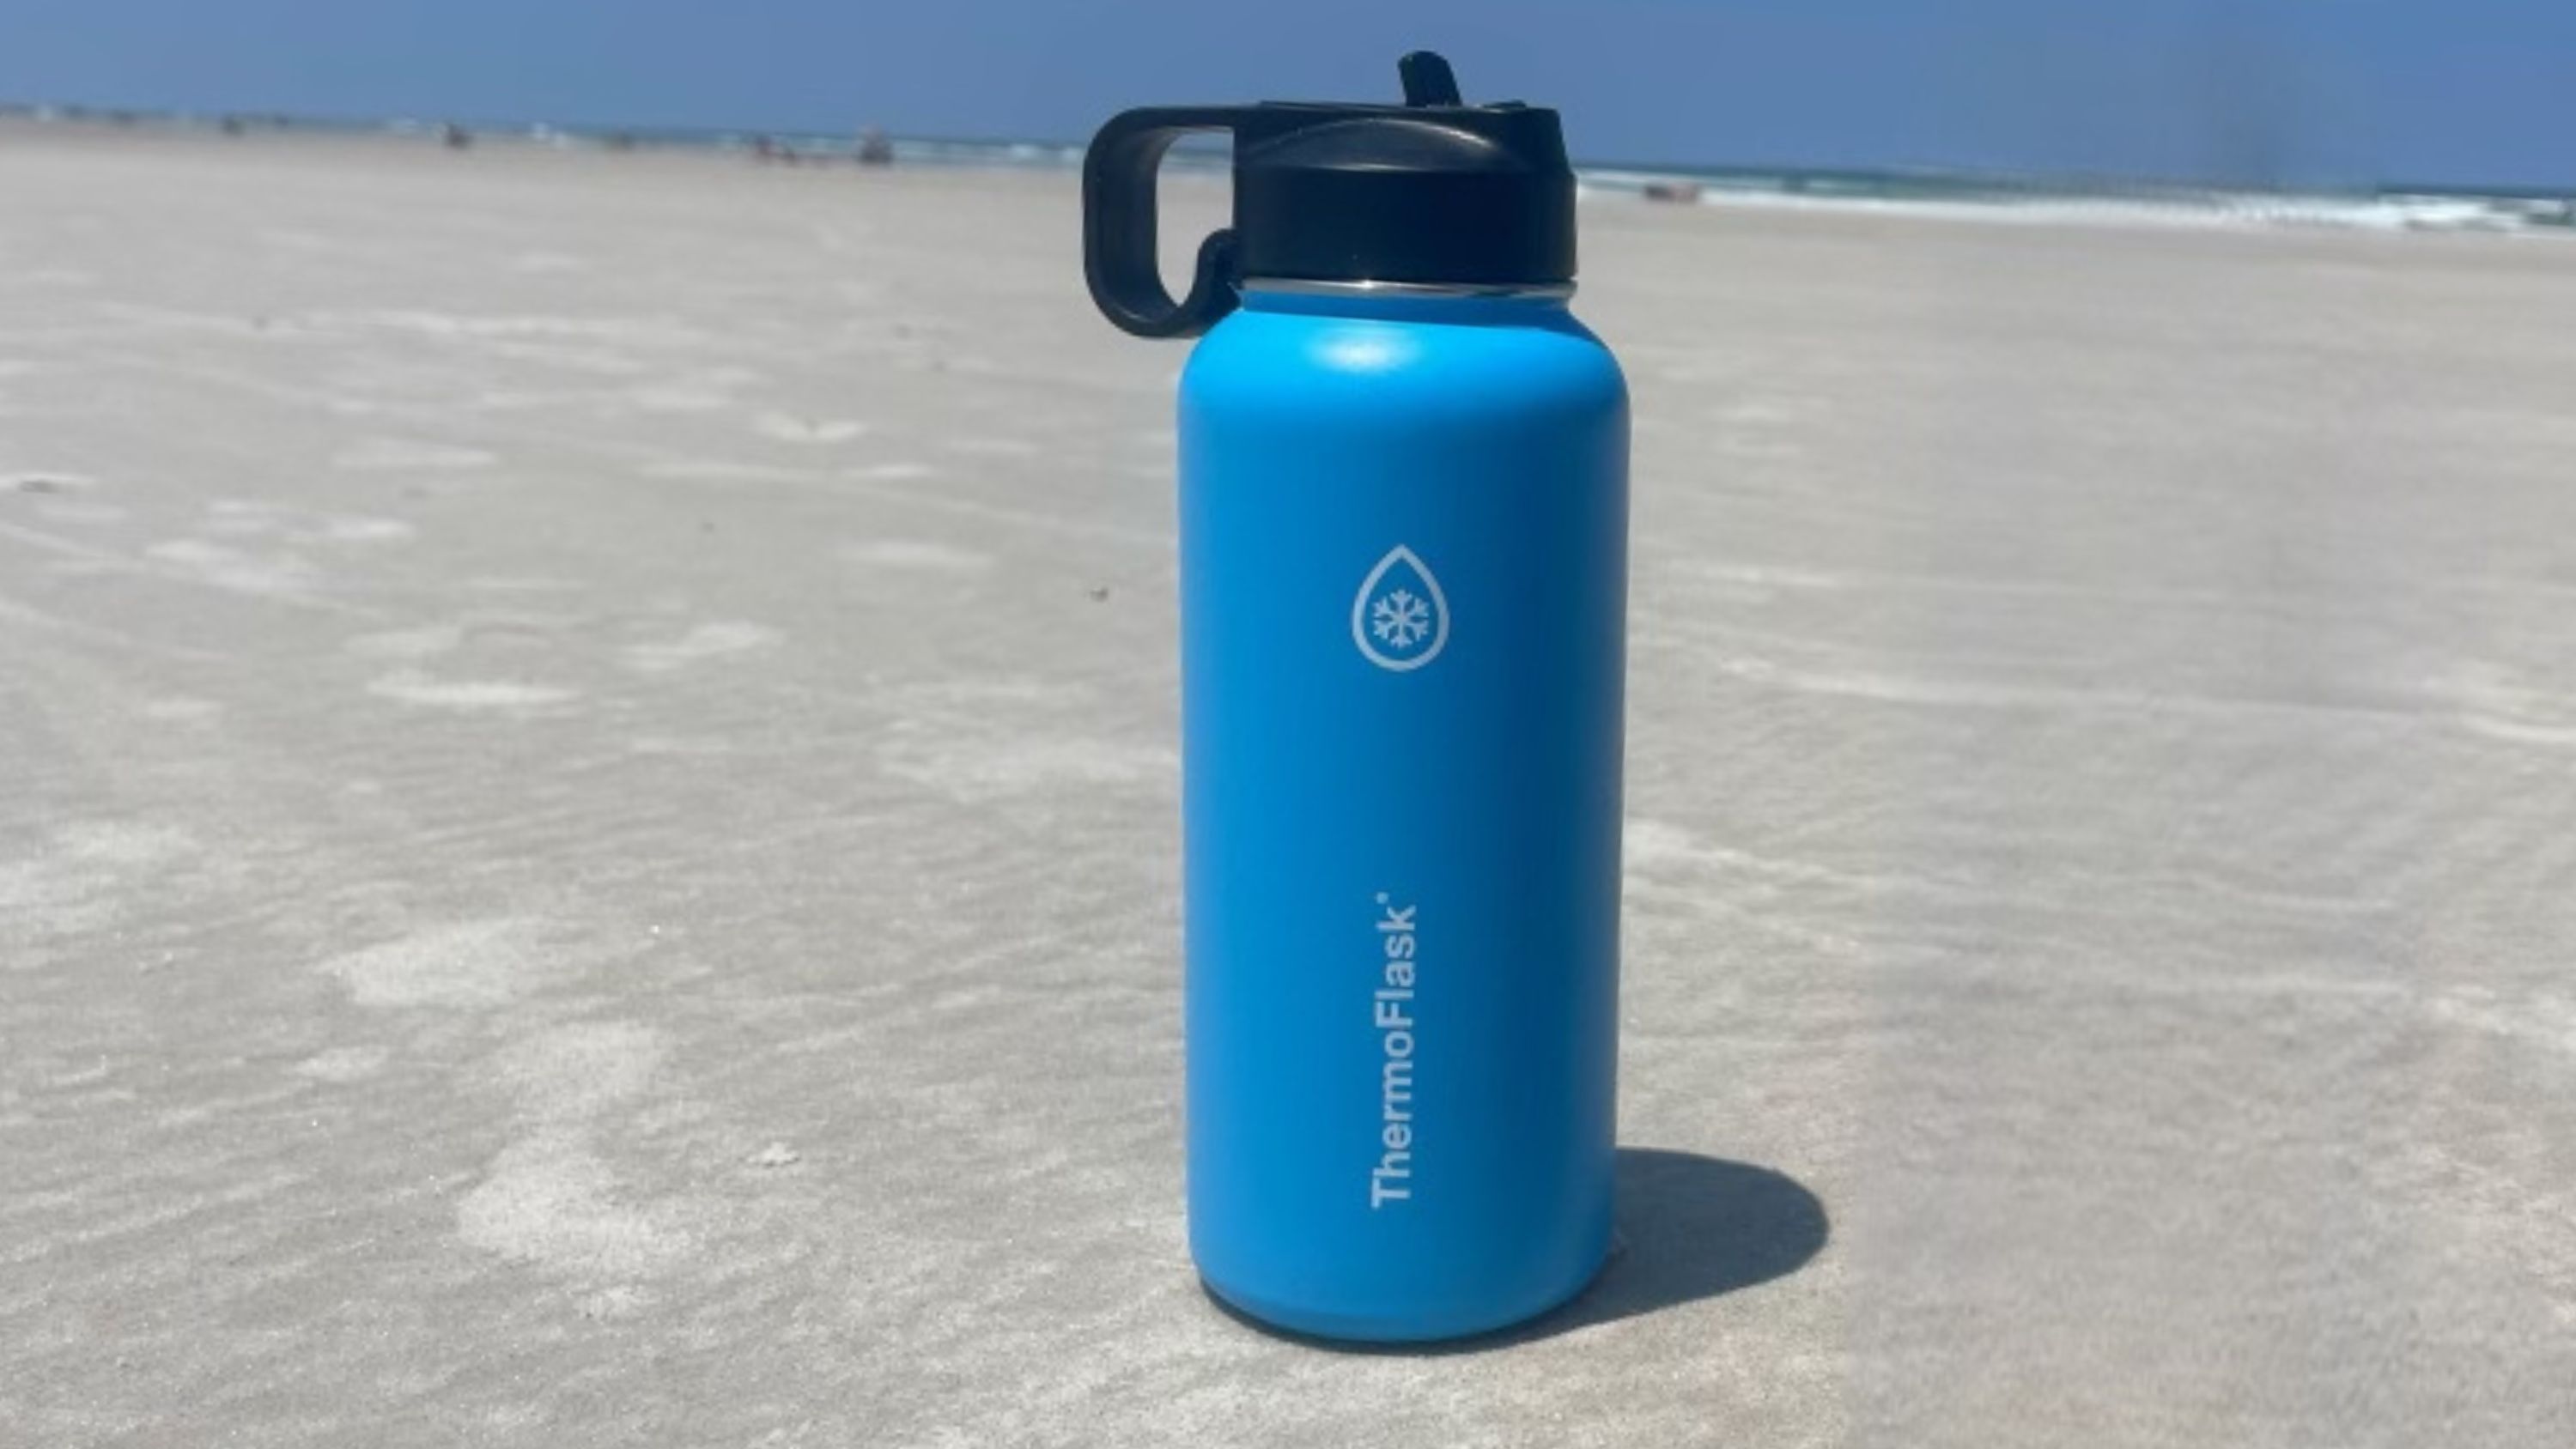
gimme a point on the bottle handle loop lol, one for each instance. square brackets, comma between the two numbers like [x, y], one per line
[1118, 239]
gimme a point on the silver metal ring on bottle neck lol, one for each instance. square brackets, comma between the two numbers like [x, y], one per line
[1304, 287]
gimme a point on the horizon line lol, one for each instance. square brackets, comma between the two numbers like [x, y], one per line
[2000, 178]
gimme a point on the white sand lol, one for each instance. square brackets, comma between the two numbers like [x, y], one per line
[587, 842]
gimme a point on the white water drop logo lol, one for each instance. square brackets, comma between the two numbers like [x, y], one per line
[1400, 619]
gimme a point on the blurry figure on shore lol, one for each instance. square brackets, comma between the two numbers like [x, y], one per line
[763, 148]
[455, 137]
[1672, 191]
[233, 125]
[874, 148]
[621, 140]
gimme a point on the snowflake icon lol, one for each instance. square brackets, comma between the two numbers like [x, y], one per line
[1400, 619]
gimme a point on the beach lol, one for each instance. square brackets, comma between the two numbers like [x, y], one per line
[589, 826]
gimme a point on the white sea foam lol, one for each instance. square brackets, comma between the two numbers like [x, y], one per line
[1965, 199]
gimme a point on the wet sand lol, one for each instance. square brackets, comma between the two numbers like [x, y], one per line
[588, 843]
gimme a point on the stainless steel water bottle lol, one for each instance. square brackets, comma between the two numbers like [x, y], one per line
[1403, 520]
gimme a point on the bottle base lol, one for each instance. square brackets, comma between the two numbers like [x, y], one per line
[1330, 1328]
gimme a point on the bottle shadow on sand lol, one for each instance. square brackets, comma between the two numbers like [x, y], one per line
[1689, 1227]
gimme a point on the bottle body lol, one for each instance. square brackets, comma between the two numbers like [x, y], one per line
[1403, 560]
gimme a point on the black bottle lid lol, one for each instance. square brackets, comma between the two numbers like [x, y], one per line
[1431, 192]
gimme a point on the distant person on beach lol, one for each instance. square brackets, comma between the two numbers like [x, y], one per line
[874, 148]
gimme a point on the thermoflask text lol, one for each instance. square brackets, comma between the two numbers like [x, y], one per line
[1403, 523]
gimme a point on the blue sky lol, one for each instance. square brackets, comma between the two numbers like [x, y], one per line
[2283, 90]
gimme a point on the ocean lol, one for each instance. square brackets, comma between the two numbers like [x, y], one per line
[2395, 207]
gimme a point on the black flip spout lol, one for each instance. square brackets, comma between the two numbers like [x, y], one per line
[1433, 191]
[1428, 80]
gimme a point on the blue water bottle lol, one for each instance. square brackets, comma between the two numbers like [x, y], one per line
[1403, 586]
